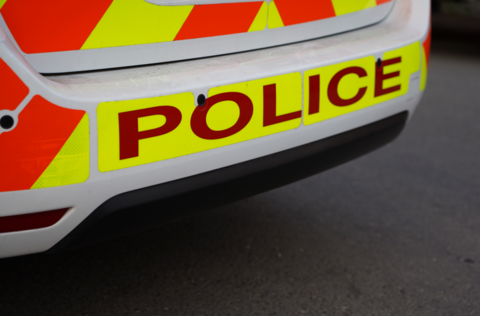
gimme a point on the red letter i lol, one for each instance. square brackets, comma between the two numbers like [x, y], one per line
[314, 95]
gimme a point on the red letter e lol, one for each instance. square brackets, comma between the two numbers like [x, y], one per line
[380, 77]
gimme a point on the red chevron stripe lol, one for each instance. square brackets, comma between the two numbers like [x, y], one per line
[43, 128]
[296, 12]
[12, 89]
[219, 19]
[43, 26]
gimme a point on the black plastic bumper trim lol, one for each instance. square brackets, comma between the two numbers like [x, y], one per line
[146, 208]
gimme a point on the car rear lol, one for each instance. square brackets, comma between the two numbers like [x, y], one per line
[121, 115]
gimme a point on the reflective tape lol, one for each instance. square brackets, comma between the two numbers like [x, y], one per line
[219, 19]
[58, 25]
[232, 114]
[138, 132]
[71, 164]
[12, 89]
[287, 12]
[383, 83]
[48, 146]
[52, 25]
[347, 6]
[128, 22]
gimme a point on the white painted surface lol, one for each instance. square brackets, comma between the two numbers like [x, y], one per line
[408, 23]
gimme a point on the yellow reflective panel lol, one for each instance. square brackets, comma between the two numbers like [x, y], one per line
[348, 87]
[260, 21]
[138, 132]
[133, 22]
[274, 18]
[284, 94]
[349, 6]
[288, 90]
[350, 84]
[72, 163]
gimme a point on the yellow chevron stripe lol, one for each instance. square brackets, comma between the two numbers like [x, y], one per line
[349, 6]
[274, 18]
[260, 21]
[134, 22]
[72, 163]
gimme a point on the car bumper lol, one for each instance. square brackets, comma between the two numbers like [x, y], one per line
[87, 195]
[145, 208]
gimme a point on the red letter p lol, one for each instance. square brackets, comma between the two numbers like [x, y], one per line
[130, 135]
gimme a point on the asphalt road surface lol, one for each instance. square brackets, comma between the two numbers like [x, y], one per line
[396, 232]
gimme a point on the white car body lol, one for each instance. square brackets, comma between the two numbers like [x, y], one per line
[100, 93]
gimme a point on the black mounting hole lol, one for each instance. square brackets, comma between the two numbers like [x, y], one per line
[201, 100]
[379, 63]
[6, 122]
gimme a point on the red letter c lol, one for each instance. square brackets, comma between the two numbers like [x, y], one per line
[333, 87]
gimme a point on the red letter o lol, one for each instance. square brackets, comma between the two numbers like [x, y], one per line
[199, 117]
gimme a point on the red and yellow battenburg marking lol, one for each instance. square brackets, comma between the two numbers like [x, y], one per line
[48, 147]
[219, 19]
[12, 89]
[52, 25]
[287, 12]
[59, 25]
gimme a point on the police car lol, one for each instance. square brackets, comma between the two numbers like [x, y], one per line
[120, 115]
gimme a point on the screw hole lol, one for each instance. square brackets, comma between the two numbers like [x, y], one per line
[379, 63]
[6, 122]
[201, 100]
